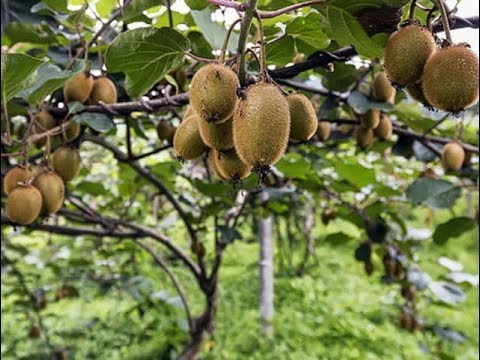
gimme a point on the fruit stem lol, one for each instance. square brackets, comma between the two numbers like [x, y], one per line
[263, 60]
[221, 58]
[242, 41]
[411, 15]
[446, 25]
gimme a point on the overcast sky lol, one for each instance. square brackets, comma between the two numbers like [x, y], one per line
[466, 8]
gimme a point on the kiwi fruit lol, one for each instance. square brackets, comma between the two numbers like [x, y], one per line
[24, 204]
[66, 162]
[187, 142]
[452, 156]
[52, 189]
[384, 129]
[14, 176]
[323, 130]
[165, 131]
[103, 90]
[230, 166]
[37, 170]
[303, 119]
[415, 90]
[261, 125]
[382, 90]
[406, 52]
[43, 121]
[188, 112]
[78, 88]
[218, 136]
[213, 93]
[364, 137]
[370, 119]
[450, 78]
[72, 131]
[212, 164]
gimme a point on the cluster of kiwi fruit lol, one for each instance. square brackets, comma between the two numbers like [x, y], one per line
[242, 133]
[39, 189]
[443, 77]
[375, 122]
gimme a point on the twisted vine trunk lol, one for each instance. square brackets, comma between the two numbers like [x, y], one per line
[202, 325]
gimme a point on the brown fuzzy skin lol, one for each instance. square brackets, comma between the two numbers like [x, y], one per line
[406, 53]
[230, 167]
[261, 125]
[303, 118]
[364, 137]
[187, 142]
[37, 170]
[165, 131]
[52, 189]
[450, 78]
[416, 92]
[103, 90]
[43, 121]
[213, 93]
[452, 156]
[382, 90]
[219, 137]
[78, 88]
[371, 119]
[15, 175]
[24, 204]
[188, 112]
[212, 164]
[66, 162]
[384, 129]
[72, 131]
[323, 130]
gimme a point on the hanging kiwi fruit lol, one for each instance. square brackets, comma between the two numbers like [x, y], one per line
[78, 88]
[66, 162]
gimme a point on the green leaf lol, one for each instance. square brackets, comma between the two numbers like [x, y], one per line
[93, 188]
[18, 72]
[435, 193]
[136, 7]
[49, 79]
[145, 55]
[97, 121]
[341, 78]
[360, 103]
[295, 166]
[307, 33]
[452, 228]
[355, 173]
[213, 32]
[200, 45]
[197, 4]
[346, 30]
[281, 52]
[21, 32]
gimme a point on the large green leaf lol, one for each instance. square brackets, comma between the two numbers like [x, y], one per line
[21, 32]
[49, 79]
[281, 52]
[452, 228]
[97, 121]
[435, 193]
[19, 71]
[360, 103]
[214, 32]
[355, 173]
[145, 55]
[307, 33]
[345, 29]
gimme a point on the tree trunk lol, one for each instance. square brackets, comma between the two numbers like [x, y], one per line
[202, 325]
[265, 234]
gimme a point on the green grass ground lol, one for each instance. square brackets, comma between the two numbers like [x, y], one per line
[334, 311]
